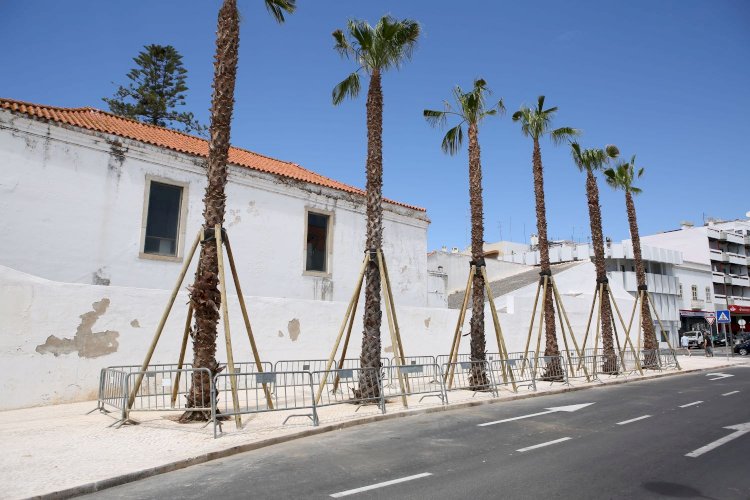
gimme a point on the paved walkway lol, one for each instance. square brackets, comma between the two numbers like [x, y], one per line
[56, 448]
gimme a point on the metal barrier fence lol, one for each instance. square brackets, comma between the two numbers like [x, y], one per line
[668, 359]
[550, 369]
[300, 366]
[517, 373]
[419, 379]
[583, 366]
[474, 376]
[359, 386]
[284, 388]
[384, 362]
[158, 389]
[112, 390]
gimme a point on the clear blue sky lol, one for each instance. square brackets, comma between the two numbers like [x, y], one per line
[668, 80]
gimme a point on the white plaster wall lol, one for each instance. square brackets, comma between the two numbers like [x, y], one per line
[691, 274]
[76, 211]
[693, 243]
[33, 309]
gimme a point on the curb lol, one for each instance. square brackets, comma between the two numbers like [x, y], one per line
[95, 486]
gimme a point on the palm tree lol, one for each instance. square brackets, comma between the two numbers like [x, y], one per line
[471, 110]
[623, 177]
[375, 49]
[204, 294]
[589, 161]
[536, 123]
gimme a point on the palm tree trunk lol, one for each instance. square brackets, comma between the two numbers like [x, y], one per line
[204, 294]
[370, 357]
[478, 346]
[550, 347]
[595, 217]
[649, 334]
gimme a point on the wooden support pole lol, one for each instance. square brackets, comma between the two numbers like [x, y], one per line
[181, 359]
[661, 327]
[459, 327]
[502, 350]
[626, 329]
[531, 327]
[348, 335]
[246, 319]
[225, 317]
[623, 347]
[545, 281]
[393, 308]
[561, 308]
[558, 303]
[614, 326]
[391, 329]
[588, 323]
[163, 320]
[598, 322]
[349, 310]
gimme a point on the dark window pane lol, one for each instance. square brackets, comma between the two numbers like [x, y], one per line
[317, 237]
[163, 219]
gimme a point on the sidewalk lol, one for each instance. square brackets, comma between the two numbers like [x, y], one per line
[58, 448]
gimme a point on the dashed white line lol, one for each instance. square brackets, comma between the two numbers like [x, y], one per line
[730, 393]
[691, 404]
[633, 420]
[379, 485]
[548, 443]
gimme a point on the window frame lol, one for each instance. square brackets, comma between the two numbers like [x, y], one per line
[694, 292]
[329, 242]
[708, 294]
[181, 221]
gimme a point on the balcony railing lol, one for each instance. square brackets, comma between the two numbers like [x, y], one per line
[697, 304]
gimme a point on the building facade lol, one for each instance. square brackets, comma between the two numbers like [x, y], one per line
[93, 198]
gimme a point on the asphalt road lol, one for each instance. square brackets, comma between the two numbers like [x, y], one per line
[586, 453]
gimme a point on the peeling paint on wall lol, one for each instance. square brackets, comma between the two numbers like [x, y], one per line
[86, 343]
[251, 208]
[388, 349]
[293, 329]
[135, 324]
[280, 334]
[427, 322]
[99, 278]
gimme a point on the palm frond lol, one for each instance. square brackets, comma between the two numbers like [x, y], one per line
[341, 44]
[349, 87]
[453, 140]
[277, 8]
[563, 134]
[611, 151]
[435, 118]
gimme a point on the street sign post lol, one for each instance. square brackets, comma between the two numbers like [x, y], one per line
[723, 316]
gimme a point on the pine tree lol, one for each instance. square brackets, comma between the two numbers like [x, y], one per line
[157, 87]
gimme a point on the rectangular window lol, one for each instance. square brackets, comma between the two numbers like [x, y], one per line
[317, 239]
[708, 293]
[694, 289]
[664, 335]
[163, 219]
[680, 290]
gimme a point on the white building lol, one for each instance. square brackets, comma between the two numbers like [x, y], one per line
[714, 273]
[89, 197]
[660, 263]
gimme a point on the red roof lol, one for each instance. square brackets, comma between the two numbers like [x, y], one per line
[101, 121]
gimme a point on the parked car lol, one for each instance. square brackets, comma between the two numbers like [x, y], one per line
[695, 339]
[719, 340]
[742, 337]
[743, 348]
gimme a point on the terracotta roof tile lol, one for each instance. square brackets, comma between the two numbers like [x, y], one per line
[101, 121]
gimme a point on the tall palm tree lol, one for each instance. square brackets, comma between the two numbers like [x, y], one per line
[204, 294]
[590, 161]
[537, 123]
[623, 178]
[374, 49]
[471, 110]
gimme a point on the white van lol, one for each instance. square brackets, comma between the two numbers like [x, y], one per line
[695, 339]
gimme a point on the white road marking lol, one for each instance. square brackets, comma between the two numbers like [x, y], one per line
[529, 448]
[691, 404]
[730, 393]
[380, 485]
[567, 409]
[633, 420]
[718, 376]
[738, 429]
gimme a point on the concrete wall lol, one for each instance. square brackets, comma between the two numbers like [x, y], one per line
[693, 243]
[55, 337]
[73, 202]
[456, 266]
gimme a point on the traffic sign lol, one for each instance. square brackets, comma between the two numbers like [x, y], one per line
[723, 316]
[710, 320]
